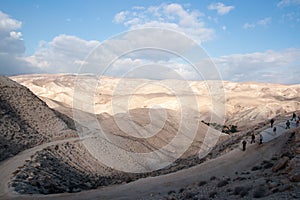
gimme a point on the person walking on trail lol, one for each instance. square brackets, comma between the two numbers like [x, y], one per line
[244, 145]
[272, 122]
[274, 131]
[252, 138]
[260, 138]
[287, 124]
[294, 116]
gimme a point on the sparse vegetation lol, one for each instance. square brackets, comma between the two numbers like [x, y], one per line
[223, 128]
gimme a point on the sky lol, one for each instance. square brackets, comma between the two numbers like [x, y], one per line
[249, 40]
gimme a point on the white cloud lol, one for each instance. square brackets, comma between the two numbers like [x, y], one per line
[10, 39]
[64, 54]
[292, 17]
[12, 47]
[120, 17]
[220, 8]
[248, 26]
[15, 35]
[285, 3]
[171, 16]
[270, 66]
[261, 22]
[7, 23]
[139, 68]
[265, 21]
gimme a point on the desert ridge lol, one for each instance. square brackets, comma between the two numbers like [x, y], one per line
[244, 103]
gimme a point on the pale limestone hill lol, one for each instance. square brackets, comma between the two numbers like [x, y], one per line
[246, 104]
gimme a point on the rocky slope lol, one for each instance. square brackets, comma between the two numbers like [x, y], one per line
[274, 178]
[25, 120]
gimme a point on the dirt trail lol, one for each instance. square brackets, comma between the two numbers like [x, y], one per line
[8, 166]
[225, 165]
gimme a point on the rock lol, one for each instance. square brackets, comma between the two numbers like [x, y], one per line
[239, 190]
[297, 138]
[213, 194]
[273, 184]
[295, 177]
[222, 183]
[267, 164]
[297, 151]
[190, 195]
[181, 190]
[36, 165]
[280, 164]
[88, 185]
[285, 181]
[285, 187]
[244, 193]
[201, 183]
[33, 182]
[288, 154]
[255, 168]
[275, 190]
[76, 190]
[171, 192]
[259, 192]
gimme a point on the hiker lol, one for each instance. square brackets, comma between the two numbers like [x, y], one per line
[260, 138]
[252, 138]
[287, 124]
[294, 116]
[272, 122]
[274, 130]
[297, 123]
[244, 145]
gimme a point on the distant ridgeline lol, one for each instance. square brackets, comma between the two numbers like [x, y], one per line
[223, 128]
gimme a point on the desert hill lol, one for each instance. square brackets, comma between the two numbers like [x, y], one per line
[72, 160]
[246, 104]
[25, 120]
[61, 163]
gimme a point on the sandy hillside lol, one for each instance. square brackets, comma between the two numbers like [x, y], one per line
[244, 103]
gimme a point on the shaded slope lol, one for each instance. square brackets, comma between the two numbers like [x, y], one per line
[25, 120]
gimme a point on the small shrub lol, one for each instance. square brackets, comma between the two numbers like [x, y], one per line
[255, 168]
[222, 183]
[259, 192]
[171, 192]
[201, 183]
[213, 194]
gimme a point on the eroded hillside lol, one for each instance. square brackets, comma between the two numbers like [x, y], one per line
[25, 120]
[246, 104]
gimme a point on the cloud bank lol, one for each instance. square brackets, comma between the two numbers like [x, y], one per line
[12, 47]
[170, 16]
[66, 53]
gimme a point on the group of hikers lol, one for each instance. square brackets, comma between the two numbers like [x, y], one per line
[288, 124]
[252, 140]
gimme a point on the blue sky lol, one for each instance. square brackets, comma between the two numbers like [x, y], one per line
[248, 40]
